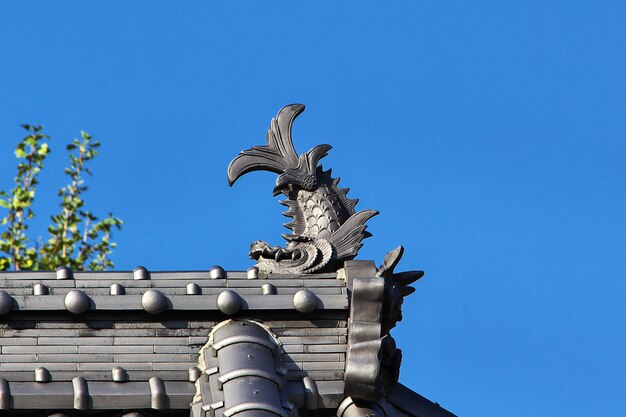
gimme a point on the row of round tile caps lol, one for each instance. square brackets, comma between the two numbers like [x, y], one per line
[118, 374]
[132, 414]
[139, 273]
[118, 289]
[154, 301]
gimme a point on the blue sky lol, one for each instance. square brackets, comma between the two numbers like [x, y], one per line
[491, 136]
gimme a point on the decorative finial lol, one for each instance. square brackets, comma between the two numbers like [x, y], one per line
[326, 228]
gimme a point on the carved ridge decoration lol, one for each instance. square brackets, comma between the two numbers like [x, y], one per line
[326, 229]
[365, 344]
[372, 360]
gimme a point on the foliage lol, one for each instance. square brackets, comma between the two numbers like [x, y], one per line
[77, 238]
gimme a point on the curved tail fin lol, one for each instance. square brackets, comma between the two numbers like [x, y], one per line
[277, 156]
[347, 239]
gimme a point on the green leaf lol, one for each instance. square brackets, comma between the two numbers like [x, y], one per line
[43, 150]
[31, 140]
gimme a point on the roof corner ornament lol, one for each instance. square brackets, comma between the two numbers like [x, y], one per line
[326, 229]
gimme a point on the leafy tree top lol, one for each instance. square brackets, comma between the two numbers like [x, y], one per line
[77, 238]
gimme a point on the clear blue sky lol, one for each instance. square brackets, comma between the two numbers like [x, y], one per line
[491, 136]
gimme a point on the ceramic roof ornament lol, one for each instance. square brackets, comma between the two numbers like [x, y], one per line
[326, 229]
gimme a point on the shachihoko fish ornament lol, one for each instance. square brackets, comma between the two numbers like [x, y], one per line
[326, 229]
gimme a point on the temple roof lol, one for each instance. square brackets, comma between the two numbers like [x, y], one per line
[131, 339]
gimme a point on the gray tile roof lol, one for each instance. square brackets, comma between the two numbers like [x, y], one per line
[118, 351]
[132, 340]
